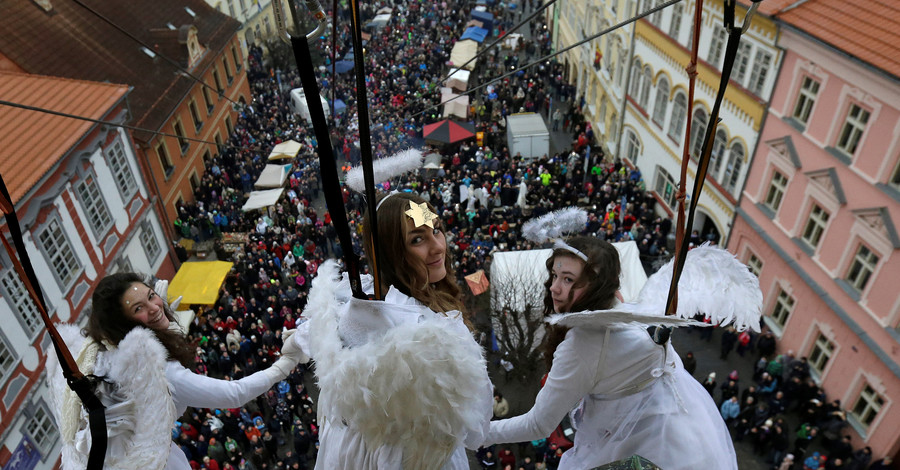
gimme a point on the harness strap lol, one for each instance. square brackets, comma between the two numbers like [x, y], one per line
[83, 385]
[331, 188]
[731, 49]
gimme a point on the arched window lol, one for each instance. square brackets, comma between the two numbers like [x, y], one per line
[662, 101]
[679, 112]
[733, 169]
[603, 108]
[622, 67]
[645, 88]
[635, 89]
[718, 152]
[698, 131]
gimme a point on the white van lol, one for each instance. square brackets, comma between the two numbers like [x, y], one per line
[298, 101]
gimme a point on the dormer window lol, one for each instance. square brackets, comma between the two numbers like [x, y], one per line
[188, 37]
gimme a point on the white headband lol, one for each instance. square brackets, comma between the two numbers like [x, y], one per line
[378, 206]
[561, 245]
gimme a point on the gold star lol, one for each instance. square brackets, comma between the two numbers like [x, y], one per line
[421, 215]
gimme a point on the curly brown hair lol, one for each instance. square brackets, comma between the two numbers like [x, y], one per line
[396, 267]
[599, 276]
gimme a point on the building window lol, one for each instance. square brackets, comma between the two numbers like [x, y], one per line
[195, 115]
[228, 74]
[861, 269]
[632, 146]
[118, 163]
[715, 46]
[238, 63]
[665, 186]
[164, 160]
[7, 360]
[656, 17]
[806, 99]
[679, 111]
[698, 131]
[218, 81]
[815, 226]
[646, 81]
[867, 406]
[718, 152]
[635, 79]
[183, 143]
[614, 125]
[742, 63]
[18, 298]
[853, 129]
[149, 241]
[760, 71]
[94, 206]
[622, 67]
[662, 101]
[208, 100]
[228, 125]
[754, 264]
[776, 190]
[820, 354]
[784, 304]
[195, 182]
[59, 253]
[733, 169]
[675, 25]
[41, 429]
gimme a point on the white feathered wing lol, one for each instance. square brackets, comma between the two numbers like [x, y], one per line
[410, 387]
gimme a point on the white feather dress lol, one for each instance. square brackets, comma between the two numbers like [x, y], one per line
[401, 386]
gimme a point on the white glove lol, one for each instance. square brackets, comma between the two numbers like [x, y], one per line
[291, 348]
[162, 289]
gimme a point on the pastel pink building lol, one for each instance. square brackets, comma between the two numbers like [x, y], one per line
[816, 219]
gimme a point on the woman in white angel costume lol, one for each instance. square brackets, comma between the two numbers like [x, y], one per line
[403, 383]
[627, 394]
[134, 346]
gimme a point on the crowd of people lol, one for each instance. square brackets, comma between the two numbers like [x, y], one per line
[269, 283]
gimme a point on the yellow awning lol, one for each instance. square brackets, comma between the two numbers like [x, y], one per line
[199, 282]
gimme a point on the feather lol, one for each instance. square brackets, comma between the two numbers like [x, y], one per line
[713, 283]
[385, 168]
[555, 224]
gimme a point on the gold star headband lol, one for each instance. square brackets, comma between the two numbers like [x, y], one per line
[421, 215]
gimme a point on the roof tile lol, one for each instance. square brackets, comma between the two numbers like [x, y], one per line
[32, 142]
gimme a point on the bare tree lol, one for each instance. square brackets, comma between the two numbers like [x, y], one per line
[517, 302]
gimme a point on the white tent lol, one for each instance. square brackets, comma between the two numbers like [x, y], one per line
[454, 105]
[463, 51]
[510, 41]
[525, 272]
[273, 176]
[526, 133]
[286, 149]
[260, 199]
[380, 20]
[458, 79]
[432, 161]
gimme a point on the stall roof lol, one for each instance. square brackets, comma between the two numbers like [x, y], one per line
[525, 124]
[463, 51]
[485, 17]
[458, 79]
[286, 149]
[260, 199]
[476, 34]
[454, 104]
[273, 176]
[198, 282]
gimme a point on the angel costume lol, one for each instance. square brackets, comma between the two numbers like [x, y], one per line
[631, 395]
[401, 385]
[144, 394]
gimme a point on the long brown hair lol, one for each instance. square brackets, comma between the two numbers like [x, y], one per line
[108, 322]
[394, 263]
[600, 277]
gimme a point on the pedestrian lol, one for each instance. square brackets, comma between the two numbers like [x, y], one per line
[690, 363]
